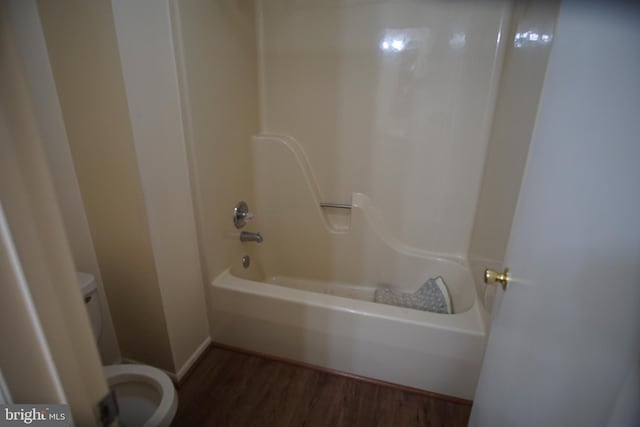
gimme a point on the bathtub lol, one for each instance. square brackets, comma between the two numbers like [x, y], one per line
[339, 327]
[308, 295]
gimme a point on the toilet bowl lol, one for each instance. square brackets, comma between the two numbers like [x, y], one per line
[145, 395]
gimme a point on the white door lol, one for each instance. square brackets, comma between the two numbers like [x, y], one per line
[564, 348]
[47, 350]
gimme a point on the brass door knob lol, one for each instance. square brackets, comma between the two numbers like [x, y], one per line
[492, 276]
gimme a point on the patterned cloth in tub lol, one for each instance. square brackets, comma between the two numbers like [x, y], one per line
[432, 296]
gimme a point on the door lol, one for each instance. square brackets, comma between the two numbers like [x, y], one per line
[47, 351]
[564, 348]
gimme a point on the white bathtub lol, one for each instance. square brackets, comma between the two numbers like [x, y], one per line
[308, 295]
[308, 321]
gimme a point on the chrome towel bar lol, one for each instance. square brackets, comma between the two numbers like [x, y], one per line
[335, 205]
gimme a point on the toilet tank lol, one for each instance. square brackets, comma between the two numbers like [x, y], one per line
[89, 290]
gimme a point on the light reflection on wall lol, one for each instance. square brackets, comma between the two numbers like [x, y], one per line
[392, 44]
[458, 40]
[395, 41]
[531, 38]
[398, 40]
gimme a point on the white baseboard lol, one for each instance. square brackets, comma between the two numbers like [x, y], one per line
[194, 357]
[185, 367]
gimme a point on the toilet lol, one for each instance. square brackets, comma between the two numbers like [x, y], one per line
[146, 395]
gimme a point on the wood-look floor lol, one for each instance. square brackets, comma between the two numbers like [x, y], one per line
[228, 388]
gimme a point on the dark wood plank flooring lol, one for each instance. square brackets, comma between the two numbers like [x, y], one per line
[228, 388]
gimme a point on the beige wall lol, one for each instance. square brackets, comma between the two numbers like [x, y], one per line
[149, 69]
[84, 57]
[516, 108]
[48, 352]
[33, 50]
[215, 45]
[406, 122]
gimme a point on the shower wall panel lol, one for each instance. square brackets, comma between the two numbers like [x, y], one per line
[390, 98]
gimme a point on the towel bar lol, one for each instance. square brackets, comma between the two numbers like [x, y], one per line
[335, 205]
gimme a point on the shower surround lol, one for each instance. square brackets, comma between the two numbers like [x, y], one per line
[386, 107]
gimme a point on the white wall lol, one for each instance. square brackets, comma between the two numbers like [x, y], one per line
[150, 76]
[519, 91]
[516, 106]
[84, 56]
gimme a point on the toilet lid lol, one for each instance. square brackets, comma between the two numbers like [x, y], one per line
[125, 373]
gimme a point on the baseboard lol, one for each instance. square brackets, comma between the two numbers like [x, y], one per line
[186, 368]
[179, 377]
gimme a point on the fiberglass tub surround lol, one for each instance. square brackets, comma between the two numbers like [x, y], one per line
[384, 106]
[307, 248]
[392, 99]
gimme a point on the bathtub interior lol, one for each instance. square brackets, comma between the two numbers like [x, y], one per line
[348, 254]
[408, 275]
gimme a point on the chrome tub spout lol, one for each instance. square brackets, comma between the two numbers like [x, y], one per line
[247, 236]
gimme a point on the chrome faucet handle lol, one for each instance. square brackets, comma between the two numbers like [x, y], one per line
[241, 214]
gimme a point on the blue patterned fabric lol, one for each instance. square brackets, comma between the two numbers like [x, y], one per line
[432, 296]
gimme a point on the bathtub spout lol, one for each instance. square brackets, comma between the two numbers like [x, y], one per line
[247, 236]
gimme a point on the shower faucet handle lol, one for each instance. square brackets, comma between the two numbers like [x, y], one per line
[241, 214]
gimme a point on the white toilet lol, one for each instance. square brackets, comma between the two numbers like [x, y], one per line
[146, 396]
